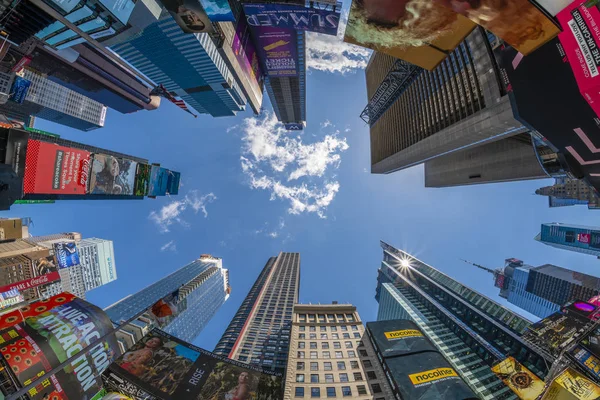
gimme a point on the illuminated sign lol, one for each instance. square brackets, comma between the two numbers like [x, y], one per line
[402, 334]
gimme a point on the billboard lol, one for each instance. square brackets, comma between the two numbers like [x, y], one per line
[30, 283]
[112, 175]
[10, 298]
[189, 15]
[587, 360]
[398, 337]
[54, 169]
[173, 182]
[519, 379]
[16, 150]
[584, 238]
[19, 89]
[291, 16]
[277, 49]
[419, 32]
[247, 57]
[294, 127]
[571, 385]
[160, 366]
[33, 309]
[66, 254]
[158, 181]
[142, 180]
[555, 332]
[167, 309]
[218, 10]
[39, 343]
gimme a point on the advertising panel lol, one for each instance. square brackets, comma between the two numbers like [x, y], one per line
[571, 385]
[32, 282]
[398, 337]
[218, 10]
[584, 238]
[580, 39]
[66, 254]
[519, 379]
[160, 366]
[54, 169]
[294, 127]
[555, 332]
[167, 308]
[292, 16]
[10, 298]
[33, 309]
[421, 33]
[16, 150]
[19, 89]
[247, 57]
[587, 360]
[158, 181]
[40, 343]
[173, 182]
[112, 175]
[189, 15]
[142, 180]
[591, 342]
[121, 9]
[277, 50]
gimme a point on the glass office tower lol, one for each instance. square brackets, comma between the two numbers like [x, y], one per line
[470, 330]
[582, 239]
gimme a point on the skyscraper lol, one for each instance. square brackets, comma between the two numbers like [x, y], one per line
[203, 287]
[582, 239]
[471, 331]
[188, 65]
[570, 192]
[438, 117]
[259, 333]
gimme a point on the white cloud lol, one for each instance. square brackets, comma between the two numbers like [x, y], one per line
[272, 158]
[172, 212]
[171, 246]
[331, 54]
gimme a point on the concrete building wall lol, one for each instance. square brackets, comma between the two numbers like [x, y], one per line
[374, 373]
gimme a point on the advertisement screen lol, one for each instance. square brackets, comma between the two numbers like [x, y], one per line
[165, 367]
[398, 337]
[189, 15]
[66, 254]
[142, 180]
[587, 360]
[158, 181]
[19, 89]
[247, 57]
[10, 298]
[173, 182]
[292, 16]
[40, 343]
[167, 308]
[555, 332]
[16, 151]
[277, 50]
[32, 282]
[570, 384]
[218, 10]
[112, 175]
[33, 309]
[584, 238]
[421, 33]
[519, 379]
[54, 169]
[591, 342]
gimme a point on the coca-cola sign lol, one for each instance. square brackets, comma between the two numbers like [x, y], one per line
[32, 282]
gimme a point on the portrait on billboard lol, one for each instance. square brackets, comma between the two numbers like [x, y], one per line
[66, 254]
[189, 15]
[229, 381]
[417, 31]
[112, 175]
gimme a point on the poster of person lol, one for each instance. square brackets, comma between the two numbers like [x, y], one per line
[418, 31]
[112, 175]
[66, 254]
[189, 15]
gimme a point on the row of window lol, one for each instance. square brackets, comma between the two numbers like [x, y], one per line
[343, 377]
[327, 354]
[327, 365]
[330, 318]
[325, 345]
[324, 336]
[330, 391]
[333, 328]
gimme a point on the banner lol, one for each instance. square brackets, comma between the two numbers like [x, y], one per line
[218, 10]
[19, 90]
[34, 309]
[40, 343]
[291, 16]
[294, 127]
[112, 175]
[142, 180]
[160, 366]
[398, 337]
[10, 298]
[277, 49]
[571, 385]
[420, 32]
[587, 360]
[16, 150]
[66, 254]
[247, 57]
[519, 379]
[173, 182]
[158, 181]
[189, 15]
[167, 309]
[54, 169]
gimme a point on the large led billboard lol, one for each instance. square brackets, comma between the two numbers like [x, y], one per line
[398, 337]
[158, 181]
[571, 385]
[422, 33]
[16, 151]
[291, 16]
[277, 49]
[66, 254]
[160, 366]
[247, 57]
[519, 379]
[112, 175]
[142, 179]
[556, 331]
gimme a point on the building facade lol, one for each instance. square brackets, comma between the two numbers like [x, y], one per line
[374, 371]
[471, 331]
[97, 257]
[418, 116]
[570, 192]
[188, 65]
[259, 333]
[323, 356]
[581, 239]
[203, 285]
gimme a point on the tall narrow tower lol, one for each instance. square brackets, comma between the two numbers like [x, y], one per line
[259, 333]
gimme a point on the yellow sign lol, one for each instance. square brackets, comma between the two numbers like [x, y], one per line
[571, 385]
[403, 334]
[431, 375]
[519, 379]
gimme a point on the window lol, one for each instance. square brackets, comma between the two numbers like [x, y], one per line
[313, 345]
[367, 364]
[302, 317]
[302, 336]
[354, 364]
[300, 365]
[313, 354]
[348, 345]
[357, 335]
[350, 317]
[344, 327]
[358, 376]
[301, 345]
[346, 391]
[323, 336]
[300, 354]
[328, 378]
[327, 366]
[376, 388]
[363, 353]
[351, 353]
[314, 378]
[312, 328]
[314, 366]
[325, 345]
[340, 317]
[361, 389]
[371, 375]
[346, 336]
[326, 354]
[330, 392]
[299, 377]
[323, 328]
[335, 336]
[337, 345]
[299, 392]
[343, 377]
[341, 365]
[334, 329]
[315, 392]
[339, 354]
[312, 335]
[302, 328]
[354, 327]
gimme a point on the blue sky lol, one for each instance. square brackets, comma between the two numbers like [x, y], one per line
[246, 210]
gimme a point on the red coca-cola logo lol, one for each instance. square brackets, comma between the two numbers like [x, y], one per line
[84, 168]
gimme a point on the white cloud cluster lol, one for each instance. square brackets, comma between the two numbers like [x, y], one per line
[170, 246]
[172, 212]
[331, 54]
[272, 159]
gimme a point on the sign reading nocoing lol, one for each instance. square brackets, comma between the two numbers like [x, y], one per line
[405, 333]
[432, 375]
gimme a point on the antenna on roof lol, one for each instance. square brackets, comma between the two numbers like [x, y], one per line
[491, 271]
